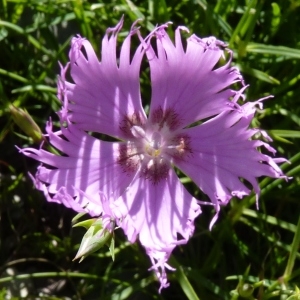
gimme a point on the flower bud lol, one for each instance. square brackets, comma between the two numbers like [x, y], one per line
[23, 119]
[95, 238]
[245, 290]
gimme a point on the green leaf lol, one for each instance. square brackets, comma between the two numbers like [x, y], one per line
[273, 50]
[285, 133]
[86, 224]
[276, 17]
[78, 216]
[30, 38]
[258, 74]
[183, 280]
[244, 23]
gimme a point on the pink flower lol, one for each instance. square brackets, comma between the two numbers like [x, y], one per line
[135, 175]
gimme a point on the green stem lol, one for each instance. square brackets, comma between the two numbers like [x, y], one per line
[183, 280]
[13, 75]
[48, 274]
[293, 253]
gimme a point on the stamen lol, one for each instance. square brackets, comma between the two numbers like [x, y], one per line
[156, 140]
[138, 131]
[154, 147]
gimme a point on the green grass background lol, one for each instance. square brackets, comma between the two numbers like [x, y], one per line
[251, 253]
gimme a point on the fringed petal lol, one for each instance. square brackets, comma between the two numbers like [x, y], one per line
[161, 215]
[102, 92]
[87, 172]
[189, 81]
[223, 156]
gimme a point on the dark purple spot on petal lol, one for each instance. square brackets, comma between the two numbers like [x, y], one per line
[166, 117]
[128, 157]
[128, 121]
[155, 169]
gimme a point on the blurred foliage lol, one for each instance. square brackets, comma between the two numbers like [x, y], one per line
[249, 254]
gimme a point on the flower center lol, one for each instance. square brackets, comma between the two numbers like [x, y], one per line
[153, 146]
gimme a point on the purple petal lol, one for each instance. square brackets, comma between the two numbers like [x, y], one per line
[188, 81]
[103, 92]
[222, 154]
[84, 178]
[161, 214]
